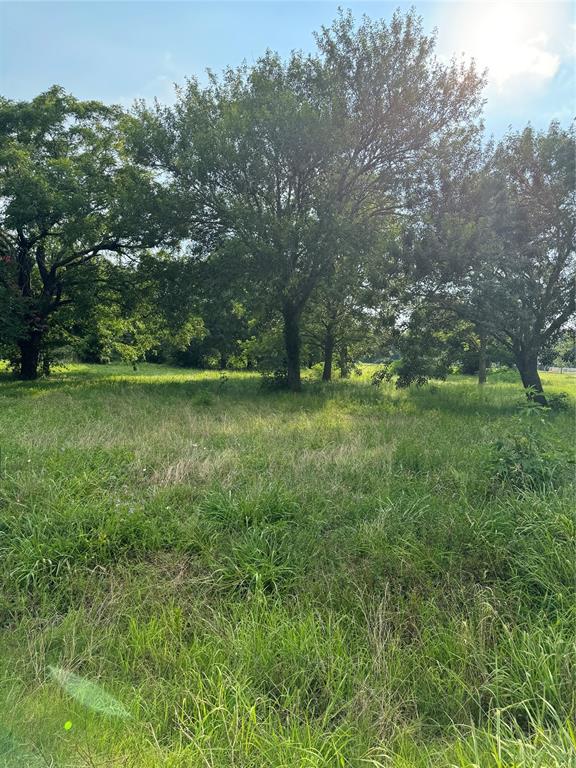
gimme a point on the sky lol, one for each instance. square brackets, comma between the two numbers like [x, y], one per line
[120, 51]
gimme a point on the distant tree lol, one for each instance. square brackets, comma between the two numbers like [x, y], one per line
[528, 280]
[284, 155]
[562, 352]
[430, 343]
[226, 326]
[140, 312]
[70, 196]
[566, 349]
[354, 302]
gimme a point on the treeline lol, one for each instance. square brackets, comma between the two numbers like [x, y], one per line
[320, 208]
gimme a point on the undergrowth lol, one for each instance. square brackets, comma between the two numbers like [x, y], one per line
[201, 572]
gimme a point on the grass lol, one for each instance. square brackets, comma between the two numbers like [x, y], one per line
[197, 572]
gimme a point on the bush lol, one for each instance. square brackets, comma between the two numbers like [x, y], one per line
[559, 401]
[277, 379]
[523, 462]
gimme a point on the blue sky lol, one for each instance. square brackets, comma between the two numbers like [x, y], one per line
[119, 51]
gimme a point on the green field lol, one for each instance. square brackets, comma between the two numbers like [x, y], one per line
[349, 576]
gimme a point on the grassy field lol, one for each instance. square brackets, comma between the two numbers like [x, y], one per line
[198, 572]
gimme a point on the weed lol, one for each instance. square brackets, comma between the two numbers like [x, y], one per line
[269, 580]
[523, 461]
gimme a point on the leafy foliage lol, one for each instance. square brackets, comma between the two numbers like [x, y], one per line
[72, 198]
[527, 460]
[287, 164]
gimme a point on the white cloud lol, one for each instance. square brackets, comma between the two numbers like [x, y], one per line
[530, 58]
[520, 44]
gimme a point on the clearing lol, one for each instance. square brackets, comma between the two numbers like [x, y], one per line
[197, 572]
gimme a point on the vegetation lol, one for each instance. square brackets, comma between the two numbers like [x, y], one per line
[260, 566]
[199, 571]
[69, 195]
[341, 203]
[285, 162]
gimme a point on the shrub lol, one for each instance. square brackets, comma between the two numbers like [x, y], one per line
[559, 401]
[522, 461]
[277, 379]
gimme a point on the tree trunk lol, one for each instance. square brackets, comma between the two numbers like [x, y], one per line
[223, 361]
[292, 345]
[328, 355]
[482, 360]
[30, 356]
[527, 364]
[343, 362]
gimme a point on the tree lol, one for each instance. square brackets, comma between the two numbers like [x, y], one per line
[143, 310]
[10, 308]
[516, 277]
[429, 342]
[499, 252]
[284, 155]
[563, 352]
[354, 301]
[70, 196]
[530, 276]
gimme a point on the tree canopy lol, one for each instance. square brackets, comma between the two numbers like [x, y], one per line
[293, 209]
[284, 157]
[70, 195]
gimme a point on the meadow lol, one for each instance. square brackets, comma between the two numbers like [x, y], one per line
[196, 571]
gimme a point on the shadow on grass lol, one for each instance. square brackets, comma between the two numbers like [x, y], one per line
[202, 388]
[462, 397]
[209, 388]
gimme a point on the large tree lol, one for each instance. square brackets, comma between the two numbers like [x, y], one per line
[497, 249]
[526, 279]
[283, 155]
[69, 196]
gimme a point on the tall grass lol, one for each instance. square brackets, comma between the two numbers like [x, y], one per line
[346, 577]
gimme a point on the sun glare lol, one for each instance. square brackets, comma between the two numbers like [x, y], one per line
[510, 40]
